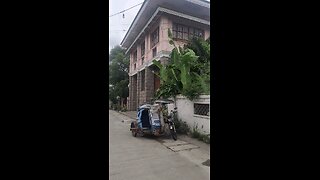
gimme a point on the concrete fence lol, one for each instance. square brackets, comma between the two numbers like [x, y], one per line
[195, 113]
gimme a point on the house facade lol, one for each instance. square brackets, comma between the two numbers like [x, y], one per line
[147, 39]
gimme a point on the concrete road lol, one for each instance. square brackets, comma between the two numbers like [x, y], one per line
[146, 158]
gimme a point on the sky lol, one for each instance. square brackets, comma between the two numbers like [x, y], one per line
[118, 25]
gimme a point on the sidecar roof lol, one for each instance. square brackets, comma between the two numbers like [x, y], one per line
[164, 101]
[145, 106]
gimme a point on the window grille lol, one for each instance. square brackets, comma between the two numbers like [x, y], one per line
[201, 109]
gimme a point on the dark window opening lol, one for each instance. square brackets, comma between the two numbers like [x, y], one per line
[142, 48]
[142, 80]
[186, 33]
[155, 37]
[154, 52]
[135, 55]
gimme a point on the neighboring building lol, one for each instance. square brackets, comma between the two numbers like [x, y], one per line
[147, 39]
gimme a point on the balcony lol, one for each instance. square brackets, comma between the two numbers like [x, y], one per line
[149, 63]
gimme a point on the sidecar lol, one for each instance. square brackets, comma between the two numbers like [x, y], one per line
[148, 121]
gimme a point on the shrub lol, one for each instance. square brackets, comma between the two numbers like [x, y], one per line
[116, 107]
[206, 138]
[200, 136]
[181, 126]
[124, 109]
[195, 133]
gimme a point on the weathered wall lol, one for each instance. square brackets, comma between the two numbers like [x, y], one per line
[186, 113]
[136, 96]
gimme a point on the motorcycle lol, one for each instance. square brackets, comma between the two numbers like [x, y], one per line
[172, 127]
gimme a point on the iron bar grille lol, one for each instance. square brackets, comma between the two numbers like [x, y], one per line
[201, 109]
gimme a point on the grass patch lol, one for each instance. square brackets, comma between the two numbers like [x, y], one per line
[183, 128]
[200, 136]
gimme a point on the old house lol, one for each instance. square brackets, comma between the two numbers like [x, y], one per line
[147, 39]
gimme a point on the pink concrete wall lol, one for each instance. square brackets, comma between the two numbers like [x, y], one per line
[165, 24]
[206, 33]
[138, 55]
[149, 49]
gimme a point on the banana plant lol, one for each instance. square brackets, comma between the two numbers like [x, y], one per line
[179, 76]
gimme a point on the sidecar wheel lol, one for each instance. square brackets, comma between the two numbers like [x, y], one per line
[134, 132]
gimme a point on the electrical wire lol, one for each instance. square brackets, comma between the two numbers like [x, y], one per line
[125, 10]
[118, 30]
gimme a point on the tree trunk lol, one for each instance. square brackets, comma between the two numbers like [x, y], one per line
[175, 101]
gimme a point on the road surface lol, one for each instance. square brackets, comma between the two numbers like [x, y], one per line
[147, 158]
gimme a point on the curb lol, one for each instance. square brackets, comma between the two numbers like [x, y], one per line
[125, 115]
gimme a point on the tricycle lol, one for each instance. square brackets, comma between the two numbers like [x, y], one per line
[154, 119]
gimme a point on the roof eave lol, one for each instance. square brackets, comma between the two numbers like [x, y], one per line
[168, 11]
[144, 4]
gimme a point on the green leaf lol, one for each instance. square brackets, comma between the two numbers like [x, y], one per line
[157, 63]
[184, 76]
[175, 57]
[205, 87]
[174, 74]
[169, 33]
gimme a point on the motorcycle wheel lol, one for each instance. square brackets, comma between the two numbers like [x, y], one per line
[173, 134]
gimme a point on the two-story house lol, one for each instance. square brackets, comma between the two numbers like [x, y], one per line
[147, 39]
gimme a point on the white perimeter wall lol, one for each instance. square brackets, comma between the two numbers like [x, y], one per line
[186, 112]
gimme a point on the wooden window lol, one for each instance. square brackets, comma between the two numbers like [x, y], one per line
[198, 33]
[154, 52]
[142, 80]
[191, 32]
[174, 31]
[178, 31]
[135, 55]
[142, 48]
[186, 33]
[155, 37]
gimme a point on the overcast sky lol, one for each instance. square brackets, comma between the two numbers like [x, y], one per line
[118, 25]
